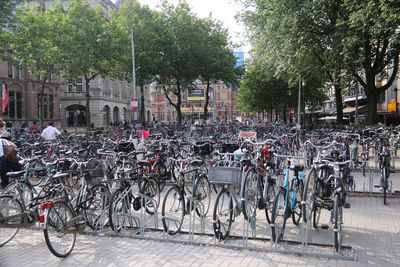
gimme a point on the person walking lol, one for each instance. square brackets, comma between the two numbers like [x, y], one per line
[34, 129]
[8, 157]
[50, 132]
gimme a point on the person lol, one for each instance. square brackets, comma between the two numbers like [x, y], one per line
[23, 129]
[5, 165]
[34, 129]
[50, 132]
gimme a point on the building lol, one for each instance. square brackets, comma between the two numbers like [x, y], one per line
[222, 104]
[24, 92]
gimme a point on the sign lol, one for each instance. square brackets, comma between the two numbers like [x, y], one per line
[196, 94]
[248, 135]
[134, 104]
[239, 59]
[392, 106]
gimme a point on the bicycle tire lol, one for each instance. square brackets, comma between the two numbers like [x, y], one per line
[9, 206]
[36, 177]
[270, 191]
[120, 211]
[384, 185]
[56, 230]
[337, 228]
[202, 193]
[250, 195]
[99, 204]
[309, 194]
[279, 216]
[150, 188]
[163, 174]
[173, 210]
[297, 210]
[223, 215]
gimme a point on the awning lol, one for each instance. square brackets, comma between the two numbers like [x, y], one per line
[330, 118]
[350, 110]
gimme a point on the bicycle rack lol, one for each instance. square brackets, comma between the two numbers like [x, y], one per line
[143, 212]
[195, 204]
[251, 223]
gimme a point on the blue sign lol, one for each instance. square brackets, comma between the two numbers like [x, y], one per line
[239, 59]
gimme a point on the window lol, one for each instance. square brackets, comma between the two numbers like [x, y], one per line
[69, 87]
[79, 88]
[14, 108]
[381, 97]
[48, 106]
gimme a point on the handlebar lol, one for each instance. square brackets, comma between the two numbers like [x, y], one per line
[268, 141]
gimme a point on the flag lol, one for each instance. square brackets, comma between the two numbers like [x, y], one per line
[4, 97]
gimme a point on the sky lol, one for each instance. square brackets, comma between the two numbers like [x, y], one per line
[222, 10]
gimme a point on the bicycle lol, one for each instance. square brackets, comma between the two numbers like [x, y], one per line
[178, 202]
[384, 167]
[287, 202]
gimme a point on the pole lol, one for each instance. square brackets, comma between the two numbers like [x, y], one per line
[356, 112]
[397, 108]
[214, 104]
[299, 104]
[133, 71]
[1, 97]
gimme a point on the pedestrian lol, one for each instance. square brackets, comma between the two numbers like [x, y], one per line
[50, 132]
[92, 125]
[34, 129]
[8, 157]
[23, 129]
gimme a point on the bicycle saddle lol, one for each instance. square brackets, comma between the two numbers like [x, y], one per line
[297, 168]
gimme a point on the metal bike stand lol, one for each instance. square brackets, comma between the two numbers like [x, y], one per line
[193, 205]
[143, 213]
[99, 227]
[249, 224]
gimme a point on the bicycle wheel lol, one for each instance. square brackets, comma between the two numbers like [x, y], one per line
[385, 174]
[309, 193]
[37, 174]
[173, 210]
[270, 191]
[120, 211]
[202, 193]
[96, 213]
[337, 217]
[57, 233]
[9, 207]
[223, 215]
[162, 173]
[279, 216]
[250, 195]
[151, 189]
[297, 207]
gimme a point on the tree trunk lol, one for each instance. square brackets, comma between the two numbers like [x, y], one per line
[339, 103]
[205, 113]
[372, 116]
[284, 114]
[87, 81]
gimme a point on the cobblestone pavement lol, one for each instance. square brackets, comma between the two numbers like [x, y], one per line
[371, 229]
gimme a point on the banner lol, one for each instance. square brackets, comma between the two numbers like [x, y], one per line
[4, 97]
[196, 94]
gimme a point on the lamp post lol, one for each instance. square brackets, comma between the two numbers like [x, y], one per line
[397, 109]
[299, 103]
[225, 113]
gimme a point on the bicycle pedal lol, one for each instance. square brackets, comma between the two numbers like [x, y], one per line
[347, 205]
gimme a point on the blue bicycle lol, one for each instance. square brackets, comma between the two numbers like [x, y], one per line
[287, 202]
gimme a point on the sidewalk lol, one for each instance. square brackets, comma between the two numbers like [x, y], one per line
[371, 229]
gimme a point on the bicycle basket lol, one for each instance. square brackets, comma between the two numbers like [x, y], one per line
[229, 148]
[203, 148]
[225, 173]
[125, 147]
[93, 171]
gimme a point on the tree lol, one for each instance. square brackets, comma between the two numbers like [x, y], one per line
[215, 59]
[179, 52]
[7, 20]
[88, 45]
[339, 37]
[146, 27]
[37, 42]
[372, 46]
